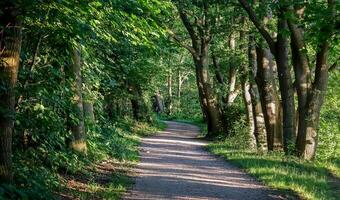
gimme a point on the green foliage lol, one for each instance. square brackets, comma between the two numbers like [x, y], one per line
[329, 141]
[38, 176]
[118, 42]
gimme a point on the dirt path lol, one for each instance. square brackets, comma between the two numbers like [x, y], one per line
[174, 165]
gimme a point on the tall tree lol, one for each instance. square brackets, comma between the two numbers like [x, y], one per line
[259, 122]
[279, 49]
[10, 45]
[310, 94]
[78, 140]
[199, 30]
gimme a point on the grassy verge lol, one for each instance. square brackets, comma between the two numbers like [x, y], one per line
[319, 180]
[310, 180]
[108, 178]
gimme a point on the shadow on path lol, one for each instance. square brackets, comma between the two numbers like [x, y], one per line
[174, 165]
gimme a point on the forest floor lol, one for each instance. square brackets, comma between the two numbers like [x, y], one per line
[175, 165]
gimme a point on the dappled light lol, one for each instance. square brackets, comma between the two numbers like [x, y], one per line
[169, 99]
[175, 165]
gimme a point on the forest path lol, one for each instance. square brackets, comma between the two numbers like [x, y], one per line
[174, 165]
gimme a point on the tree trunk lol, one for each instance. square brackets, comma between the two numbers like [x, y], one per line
[170, 100]
[199, 50]
[78, 141]
[179, 88]
[213, 113]
[310, 95]
[202, 98]
[286, 86]
[267, 88]
[259, 124]
[10, 45]
[244, 78]
[232, 90]
[250, 114]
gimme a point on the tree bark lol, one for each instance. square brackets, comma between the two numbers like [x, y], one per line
[232, 89]
[213, 113]
[259, 124]
[250, 114]
[10, 46]
[169, 100]
[78, 140]
[267, 88]
[286, 86]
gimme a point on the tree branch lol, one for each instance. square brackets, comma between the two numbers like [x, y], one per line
[265, 34]
[334, 65]
[188, 26]
[178, 41]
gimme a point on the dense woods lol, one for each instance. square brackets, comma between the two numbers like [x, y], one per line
[77, 76]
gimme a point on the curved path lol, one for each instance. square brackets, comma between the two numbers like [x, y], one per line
[174, 165]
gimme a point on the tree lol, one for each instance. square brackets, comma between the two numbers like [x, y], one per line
[279, 49]
[200, 34]
[10, 45]
[78, 140]
[310, 94]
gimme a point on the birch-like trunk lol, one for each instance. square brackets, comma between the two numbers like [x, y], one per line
[78, 140]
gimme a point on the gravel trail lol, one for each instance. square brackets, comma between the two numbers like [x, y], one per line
[174, 165]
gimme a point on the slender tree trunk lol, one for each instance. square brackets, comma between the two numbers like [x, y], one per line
[244, 78]
[259, 124]
[78, 141]
[179, 87]
[170, 100]
[286, 86]
[199, 50]
[10, 45]
[302, 81]
[250, 114]
[232, 90]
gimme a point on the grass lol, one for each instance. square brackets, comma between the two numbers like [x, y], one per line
[104, 173]
[315, 180]
[109, 177]
[310, 180]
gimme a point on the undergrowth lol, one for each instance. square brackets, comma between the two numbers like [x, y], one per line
[44, 174]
